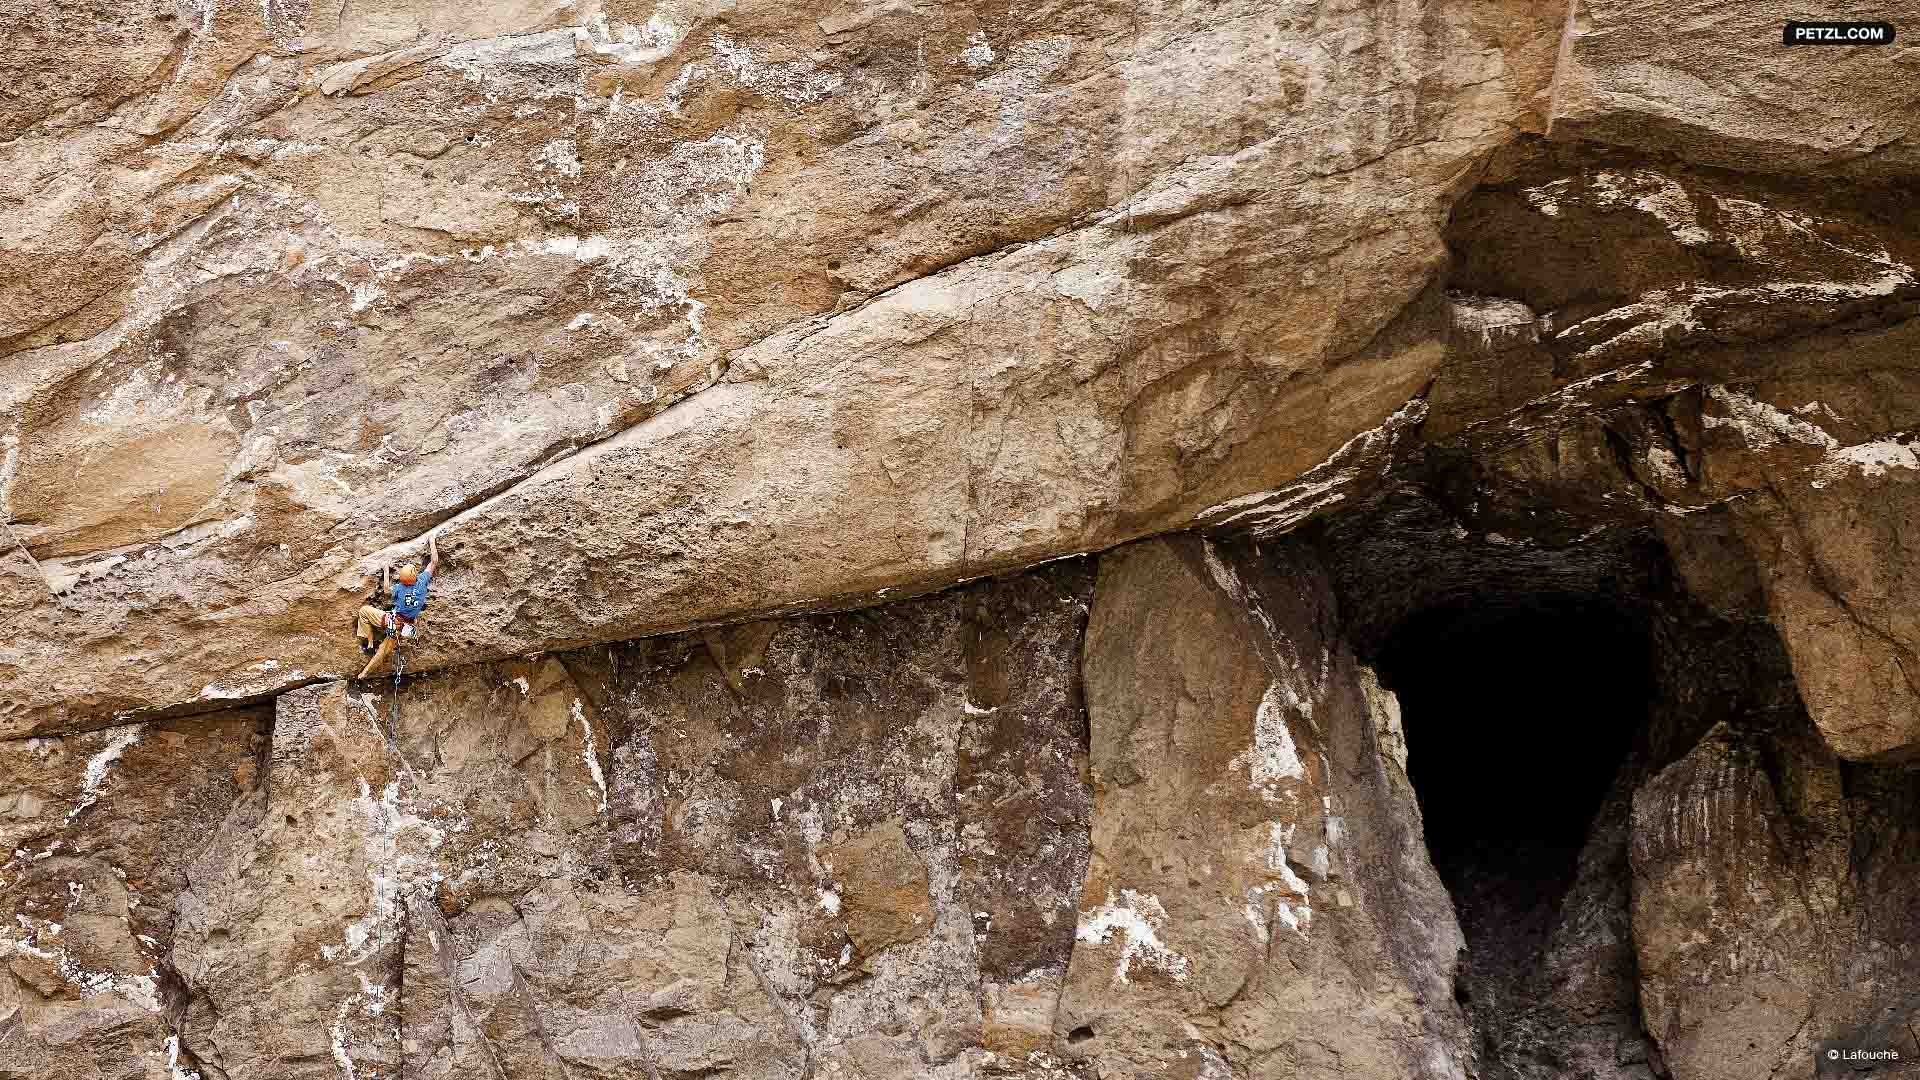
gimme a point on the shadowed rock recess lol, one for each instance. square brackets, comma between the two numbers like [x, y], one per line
[1103, 541]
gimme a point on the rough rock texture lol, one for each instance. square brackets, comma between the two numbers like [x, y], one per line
[714, 340]
[1732, 825]
[1713, 355]
[1759, 824]
[1710, 82]
[101, 831]
[1259, 904]
[673, 315]
[853, 842]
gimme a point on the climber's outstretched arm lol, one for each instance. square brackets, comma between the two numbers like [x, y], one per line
[433, 557]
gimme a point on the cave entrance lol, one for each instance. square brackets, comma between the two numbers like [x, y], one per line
[1519, 712]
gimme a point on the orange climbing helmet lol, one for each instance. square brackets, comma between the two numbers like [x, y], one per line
[407, 574]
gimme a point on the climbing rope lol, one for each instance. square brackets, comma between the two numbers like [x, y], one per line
[44, 579]
[393, 706]
[392, 732]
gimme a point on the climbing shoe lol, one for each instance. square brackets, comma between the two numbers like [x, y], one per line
[366, 647]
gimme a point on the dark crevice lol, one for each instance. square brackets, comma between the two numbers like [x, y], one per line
[1527, 702]
[1519, 713]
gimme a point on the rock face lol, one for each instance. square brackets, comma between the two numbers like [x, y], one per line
[675, 315]
[1710, 82]
[852, 842]
[1258, 903]
[1210, 540]
[102, 831]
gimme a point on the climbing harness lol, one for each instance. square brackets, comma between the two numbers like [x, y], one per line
[397, 626]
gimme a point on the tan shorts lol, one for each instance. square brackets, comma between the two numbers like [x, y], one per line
[371, 617]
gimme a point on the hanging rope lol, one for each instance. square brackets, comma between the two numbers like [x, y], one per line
[44, 579]
[392, 732]
[393, 707]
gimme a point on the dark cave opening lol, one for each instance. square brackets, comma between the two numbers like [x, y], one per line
[1518, 713]
[1517, 719]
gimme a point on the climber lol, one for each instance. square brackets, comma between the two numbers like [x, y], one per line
[409, 598]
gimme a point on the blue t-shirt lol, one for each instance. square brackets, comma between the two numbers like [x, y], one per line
[409, 600]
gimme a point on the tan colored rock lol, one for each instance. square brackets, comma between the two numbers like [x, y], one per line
[893, 799]
[666, 317]
[564, 977]
[825, 839]
[678, 316]
[1257, 903]
[1017, 1018]
[1838, 564]
[1763, 927]
[1641, 342]
[880, 888]
[1712, 82]
[290, 935]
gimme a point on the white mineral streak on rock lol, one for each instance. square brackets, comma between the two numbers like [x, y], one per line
[1547, 197]
[1288, 894]
[1136, 917]
[1869, 459]
[645, 44]
[559, 155]
[702, 179]
[1228, 579]
[1273, 758]
[141, 990]
[587, 752]
[1496, 321]
[1760, 425]
[174, 1071]
[513, 66]
[1270, 513]
[978, 53]
[100, 764]
[1762, 235]
[794, 83]
[1656, 195]
[339, 1040]
[1759, 232]
[399, 849]
[1680, 307]
[375, 993]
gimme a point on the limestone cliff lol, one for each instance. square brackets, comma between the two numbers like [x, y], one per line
[1204, 539]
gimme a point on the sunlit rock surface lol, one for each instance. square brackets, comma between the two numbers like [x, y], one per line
[928, 495]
